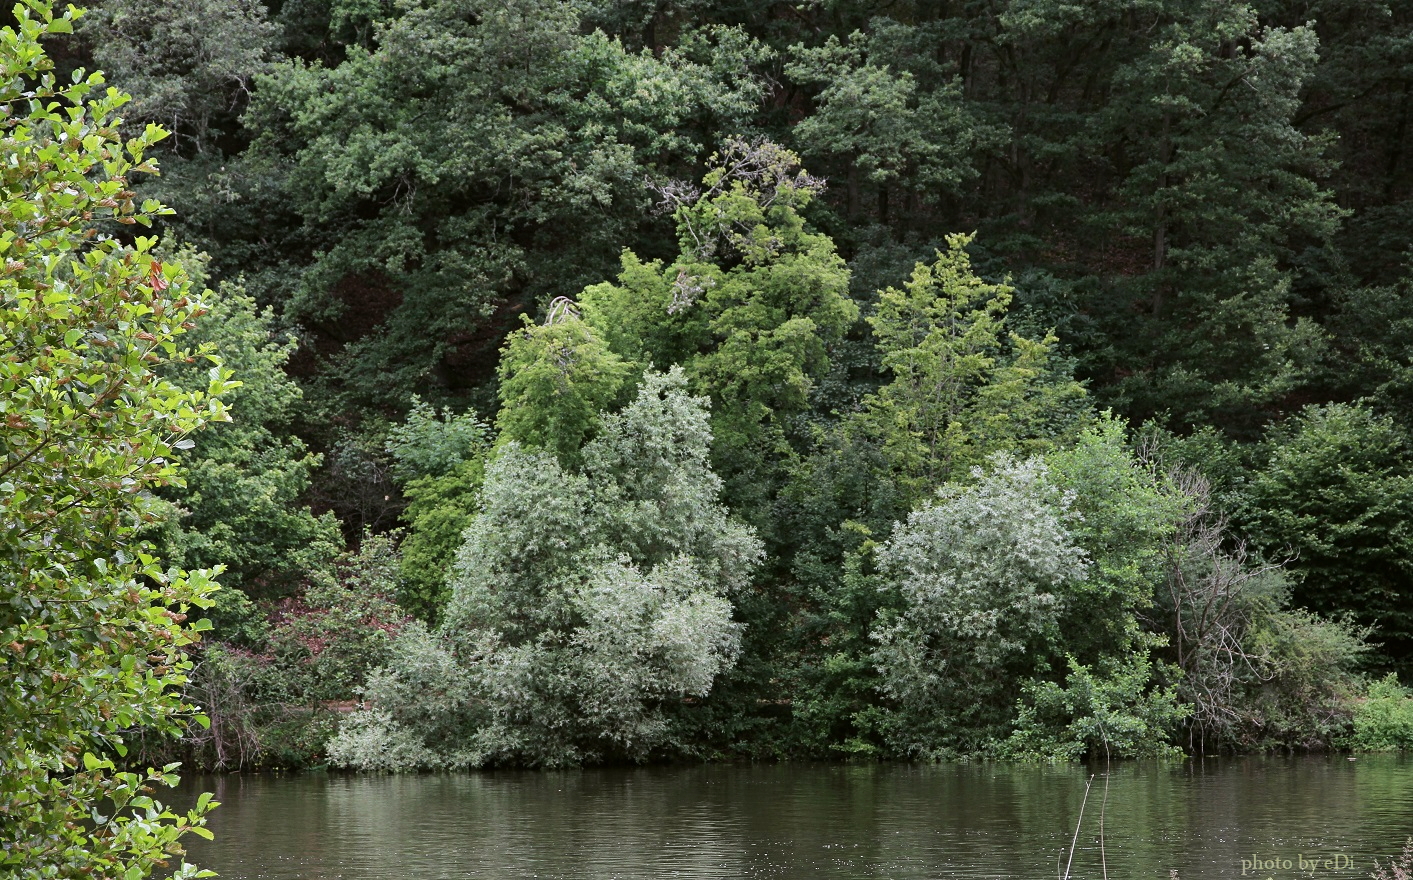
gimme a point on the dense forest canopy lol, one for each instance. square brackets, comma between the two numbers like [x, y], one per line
[649, 380]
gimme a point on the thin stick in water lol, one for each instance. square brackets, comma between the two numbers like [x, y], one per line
[1074, 842]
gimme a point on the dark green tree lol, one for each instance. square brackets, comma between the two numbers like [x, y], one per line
[1224, 186]
[891, 116]
[189, 65]
[1336, 495]
[244, 500]
[470, 160]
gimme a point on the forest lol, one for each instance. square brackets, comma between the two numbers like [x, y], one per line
[614, 381]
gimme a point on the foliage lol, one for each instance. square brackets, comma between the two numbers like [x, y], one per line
[1255, 673]
[342, 629]
[753, 308]
[439, 508]
[750, 308]
[94, 629]
[219, 680]
[1125, 518]
[274, 702]
[1384, 718]
[583, 604]
[1116, 712]
[980, 577]
[243, 499]
[1221, 182]
[424, 710]
[890, 113]
[1336, 493]
[1194, 214]
[442, 461]
[189, 65]
[960, 390]
[428, 444]
[554, 380]
[835, 685]
[468, 156]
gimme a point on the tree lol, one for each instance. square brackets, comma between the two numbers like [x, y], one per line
[583, 605]
[1112, 697]
[750, 309]
[241, 503]
[891, 113]
[473, 158]
[1224, 186]
[1337, 493]
[963, 387]
[555, 379]
[1256, 673]
[189, 65]
[440, 462]
[1114, 711]
[977, 582]
[274, 702]
[92, 628]
[1126, 519]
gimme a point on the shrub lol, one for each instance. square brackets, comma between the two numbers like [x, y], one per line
[1384, 720]
[1116, 712]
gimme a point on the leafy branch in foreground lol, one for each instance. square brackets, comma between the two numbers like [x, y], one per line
[93, 630]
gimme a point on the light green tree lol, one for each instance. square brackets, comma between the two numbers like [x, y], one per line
[750, 309]
[93, 630]
[962, 386]
[555, 378]
[440, 461]
[977, 581]
[1113, 710]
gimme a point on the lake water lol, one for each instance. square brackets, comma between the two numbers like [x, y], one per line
[1205, 819]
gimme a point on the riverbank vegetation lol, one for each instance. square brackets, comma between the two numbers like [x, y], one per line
[631, 381]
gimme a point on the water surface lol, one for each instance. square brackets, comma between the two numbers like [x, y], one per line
[1205, 819]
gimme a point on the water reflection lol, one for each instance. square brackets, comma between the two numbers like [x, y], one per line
[791, 821]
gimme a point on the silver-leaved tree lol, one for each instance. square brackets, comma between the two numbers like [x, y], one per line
[583, 603]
